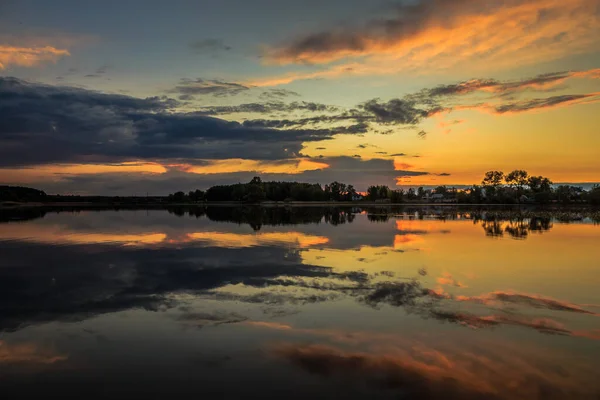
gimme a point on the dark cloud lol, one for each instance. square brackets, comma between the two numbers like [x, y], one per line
[202, 87]
[359, 127]
[269, 108]
[403, 21]
[273, 94]
[537, 83]
[202, 319]
[460, 88]
[44, 124]
[209, 45]
[536, 104]
[186, 97]
[398, 111]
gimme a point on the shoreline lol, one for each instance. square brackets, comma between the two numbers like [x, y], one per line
[86, 205]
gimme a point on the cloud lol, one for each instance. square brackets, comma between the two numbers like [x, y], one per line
[202, 319]
[294, 166]
[412, 109]
[437, 35]
[55, 124]
[272, 94]
[538, 83]
[545, 103]
[202, 87]
[29, 56]
[397, 111]
[269, 108]
[210, 45]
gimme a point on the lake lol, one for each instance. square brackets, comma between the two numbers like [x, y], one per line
[413, 303]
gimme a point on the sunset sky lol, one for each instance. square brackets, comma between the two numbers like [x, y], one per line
[136, 97]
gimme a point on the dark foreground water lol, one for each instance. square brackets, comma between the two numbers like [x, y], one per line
[301, 303]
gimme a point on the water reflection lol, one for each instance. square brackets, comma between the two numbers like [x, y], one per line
[361, 303]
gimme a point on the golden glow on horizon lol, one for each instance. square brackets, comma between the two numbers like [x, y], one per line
[54, 171]
[227, 166]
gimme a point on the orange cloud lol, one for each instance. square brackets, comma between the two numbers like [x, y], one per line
[29, 56]
[56, 171]
[242, 165]
[533, 105]
[438, 35]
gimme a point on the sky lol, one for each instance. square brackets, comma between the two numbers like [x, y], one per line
[135, 97]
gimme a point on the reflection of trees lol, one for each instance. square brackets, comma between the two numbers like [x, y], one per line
[256, 217]
[492, 228]
[25, 214]
[378, 217]
[516, 228]
[516, 222]
[338, 217]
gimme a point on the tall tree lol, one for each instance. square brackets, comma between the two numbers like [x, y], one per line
[517, 179]
[493, 178]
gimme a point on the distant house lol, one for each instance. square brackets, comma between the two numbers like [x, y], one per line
[357, 197]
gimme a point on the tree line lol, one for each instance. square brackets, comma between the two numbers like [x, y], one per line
[516, 187]
[496, 187]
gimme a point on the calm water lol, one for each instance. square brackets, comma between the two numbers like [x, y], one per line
[292, 304]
